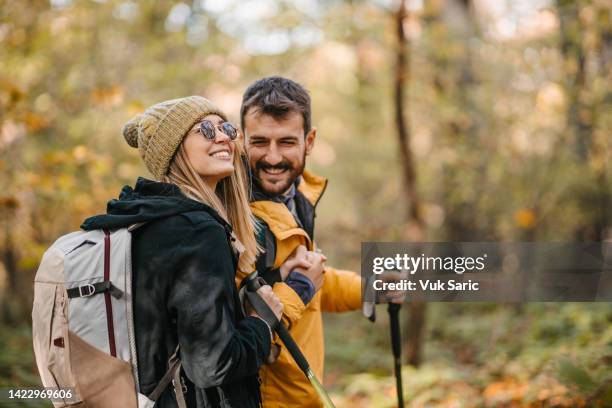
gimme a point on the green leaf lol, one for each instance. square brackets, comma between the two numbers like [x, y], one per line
[573, 375]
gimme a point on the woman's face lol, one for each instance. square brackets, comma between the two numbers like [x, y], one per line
[211, 159]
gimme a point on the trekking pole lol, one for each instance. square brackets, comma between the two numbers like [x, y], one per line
[369, 311]
[396, 345]
[253, 283]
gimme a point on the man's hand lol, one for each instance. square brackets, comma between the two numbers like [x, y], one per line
[392, 296]
[268, 296]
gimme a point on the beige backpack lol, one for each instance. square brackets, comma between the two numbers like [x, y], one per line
[83, 327]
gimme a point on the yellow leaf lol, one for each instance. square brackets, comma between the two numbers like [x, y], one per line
[108, 97]
[35, 122]
[525, 218]
[80, 153]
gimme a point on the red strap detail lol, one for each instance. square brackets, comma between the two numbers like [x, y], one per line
[59, 342]
[107, 297]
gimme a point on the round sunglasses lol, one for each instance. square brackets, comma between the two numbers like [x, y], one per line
[209, 130]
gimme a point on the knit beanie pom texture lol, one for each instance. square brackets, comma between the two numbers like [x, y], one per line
[130, 131]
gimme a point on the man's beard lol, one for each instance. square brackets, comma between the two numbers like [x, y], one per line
[292, 175]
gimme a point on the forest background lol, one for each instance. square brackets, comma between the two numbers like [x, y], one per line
[439, 120]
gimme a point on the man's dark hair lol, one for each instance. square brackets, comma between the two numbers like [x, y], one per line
[277, 97]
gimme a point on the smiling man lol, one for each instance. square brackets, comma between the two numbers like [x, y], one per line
[276, 121]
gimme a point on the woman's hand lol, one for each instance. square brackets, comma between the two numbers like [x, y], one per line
[299, 259]
[316, 270]
[268, 296]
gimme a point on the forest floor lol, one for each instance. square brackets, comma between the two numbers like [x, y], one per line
[479, 355]
[476, 355]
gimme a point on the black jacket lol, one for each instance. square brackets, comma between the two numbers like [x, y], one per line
[184, 291]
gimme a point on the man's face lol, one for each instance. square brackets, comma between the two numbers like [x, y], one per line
[277, 149]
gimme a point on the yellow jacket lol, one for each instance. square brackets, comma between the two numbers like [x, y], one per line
[283, 383]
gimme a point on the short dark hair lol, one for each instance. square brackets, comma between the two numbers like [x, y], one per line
[277, 96]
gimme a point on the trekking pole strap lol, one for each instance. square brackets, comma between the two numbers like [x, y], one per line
[173, 375]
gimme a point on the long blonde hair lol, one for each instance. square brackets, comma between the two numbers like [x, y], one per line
[231, 200]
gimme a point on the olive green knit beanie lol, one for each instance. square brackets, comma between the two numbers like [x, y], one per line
[159, 131]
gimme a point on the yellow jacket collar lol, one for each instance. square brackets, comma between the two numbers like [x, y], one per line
[279, 219]
[312, 186]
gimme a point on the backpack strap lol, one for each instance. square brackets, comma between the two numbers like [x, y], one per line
[265, 261]
[91, 289]
[173, 375]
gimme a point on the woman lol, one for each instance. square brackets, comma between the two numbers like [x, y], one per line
[197, 230]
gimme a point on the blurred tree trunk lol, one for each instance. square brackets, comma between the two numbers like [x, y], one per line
[603, 144]
[600, 138]
[359, 38]
[590, 152]
[9, 261]
[579, 114]
[452, 25]
[415, 231]
[10, 155]
[415, 221]
[9, 257]
[8, 253]
[15, 292]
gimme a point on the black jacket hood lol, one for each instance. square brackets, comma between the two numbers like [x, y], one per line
[147, 201]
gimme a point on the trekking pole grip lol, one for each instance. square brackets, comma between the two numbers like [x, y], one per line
[253, 284]
[262, 309]
[259, 305]
[395, 329]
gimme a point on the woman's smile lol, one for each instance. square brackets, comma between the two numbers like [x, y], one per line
[222, 154]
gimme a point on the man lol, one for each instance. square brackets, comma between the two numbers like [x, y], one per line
[276, 122]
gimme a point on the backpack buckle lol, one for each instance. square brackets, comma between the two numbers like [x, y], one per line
[87, 290]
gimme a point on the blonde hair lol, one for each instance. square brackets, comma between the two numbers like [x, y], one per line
[231, 201]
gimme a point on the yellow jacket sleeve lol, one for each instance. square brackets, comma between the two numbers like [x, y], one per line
[293, 305]
[341, 291]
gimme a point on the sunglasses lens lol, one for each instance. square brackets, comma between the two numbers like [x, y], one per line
[207, 129]
[229, 130]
